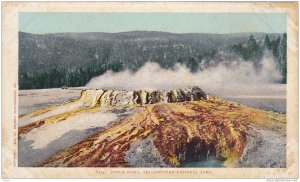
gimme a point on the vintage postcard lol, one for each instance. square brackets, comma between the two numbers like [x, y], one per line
[150, 90]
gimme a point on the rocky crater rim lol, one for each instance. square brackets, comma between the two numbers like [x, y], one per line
[106, 98]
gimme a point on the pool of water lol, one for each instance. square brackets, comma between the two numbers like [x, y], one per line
[204, 163]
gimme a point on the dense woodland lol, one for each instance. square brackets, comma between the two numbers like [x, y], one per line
[72, 59]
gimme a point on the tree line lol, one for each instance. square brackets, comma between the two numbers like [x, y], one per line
[132, 55]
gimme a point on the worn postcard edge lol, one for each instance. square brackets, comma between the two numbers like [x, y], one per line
[10, 14]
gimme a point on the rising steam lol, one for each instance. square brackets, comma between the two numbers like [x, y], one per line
[152, 76]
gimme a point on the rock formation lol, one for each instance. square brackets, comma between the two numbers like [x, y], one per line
[122, 98]
[167, 127]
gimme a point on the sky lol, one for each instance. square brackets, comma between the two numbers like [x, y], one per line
[222, 23]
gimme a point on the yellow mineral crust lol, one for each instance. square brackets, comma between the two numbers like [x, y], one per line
[181, 131]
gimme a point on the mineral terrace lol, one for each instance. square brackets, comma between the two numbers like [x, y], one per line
[151, 128]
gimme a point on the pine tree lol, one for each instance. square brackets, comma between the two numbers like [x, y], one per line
[284, 57]
[252, 43]
[267, 42]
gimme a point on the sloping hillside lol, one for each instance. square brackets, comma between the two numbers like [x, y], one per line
[154, 129]
[72, 59]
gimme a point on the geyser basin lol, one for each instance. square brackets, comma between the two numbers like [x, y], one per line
[172, 128]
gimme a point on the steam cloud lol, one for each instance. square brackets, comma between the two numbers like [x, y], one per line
[152, 76]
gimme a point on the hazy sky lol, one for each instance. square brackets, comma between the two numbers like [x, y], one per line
[168, 22]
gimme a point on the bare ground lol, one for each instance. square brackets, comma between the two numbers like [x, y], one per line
[31, 100]
[264, 149]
